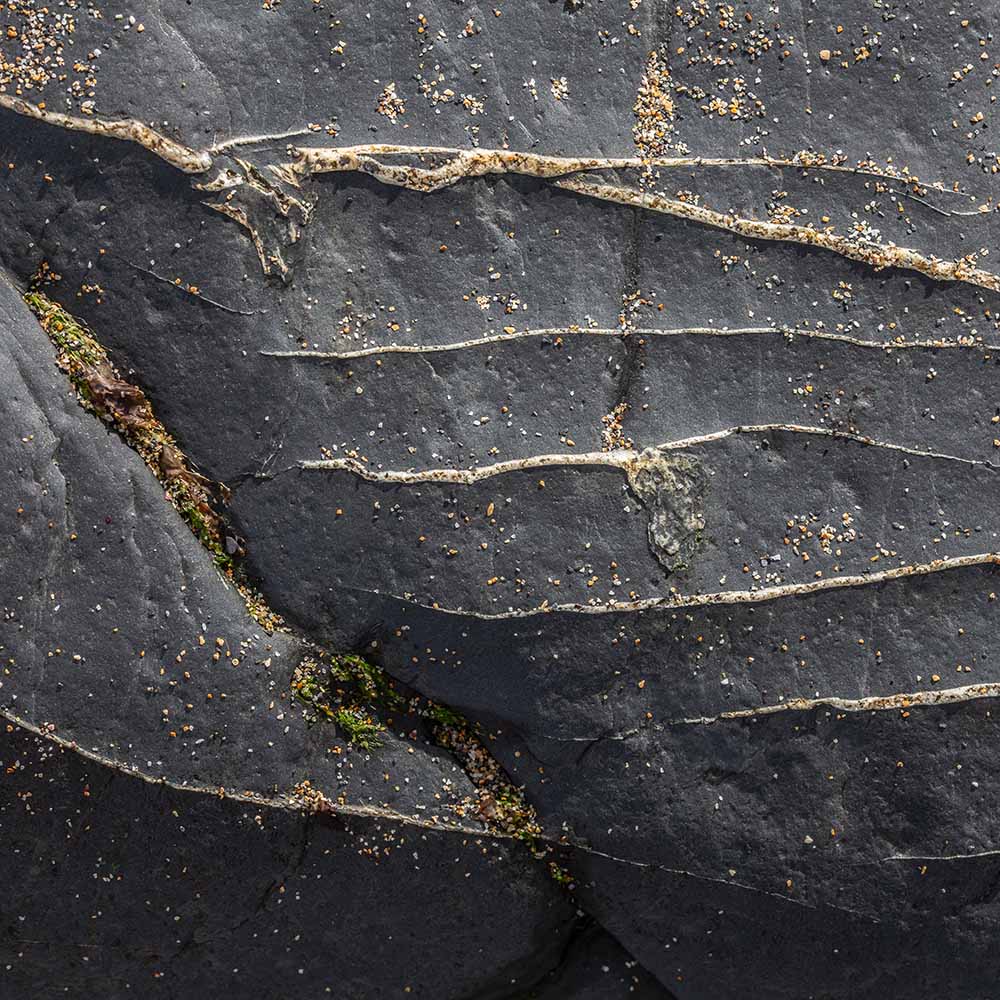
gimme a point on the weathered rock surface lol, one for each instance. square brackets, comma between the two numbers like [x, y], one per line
[150, 748]
[621, 375]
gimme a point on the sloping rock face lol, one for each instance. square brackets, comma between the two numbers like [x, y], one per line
[618, 376]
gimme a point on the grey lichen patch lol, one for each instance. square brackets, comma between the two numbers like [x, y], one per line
[672, 489]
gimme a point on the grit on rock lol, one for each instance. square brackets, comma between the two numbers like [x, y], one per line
[500, 501]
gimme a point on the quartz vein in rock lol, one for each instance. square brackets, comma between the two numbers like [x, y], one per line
[722, 597]
[190, 161]
[491, 339]
[465, 164]
[902, 701]
[619, 458]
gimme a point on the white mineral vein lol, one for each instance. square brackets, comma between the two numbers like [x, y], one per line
[620, 458]
[877, 255]
[288, 802]
[723, 597]
[190, 161]
[874, 703]
[490, 340]
[461, 164]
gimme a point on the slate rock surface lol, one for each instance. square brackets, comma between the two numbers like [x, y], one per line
[621, 376]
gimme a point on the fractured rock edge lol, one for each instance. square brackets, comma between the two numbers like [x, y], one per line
[78, 373]
[464, 164]
[292, 802]
[275, 864]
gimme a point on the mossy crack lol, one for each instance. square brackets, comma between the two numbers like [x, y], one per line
[125, 408]
[356, 695]
[350, 692]
[345, 689]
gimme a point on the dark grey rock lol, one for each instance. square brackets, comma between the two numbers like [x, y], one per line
[695, 515]
[116, 885]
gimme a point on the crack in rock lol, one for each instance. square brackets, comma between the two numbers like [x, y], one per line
[459, 164]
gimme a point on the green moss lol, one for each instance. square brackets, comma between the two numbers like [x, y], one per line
[561, 876]
[371, 681]
[443, 716]
[360, 728]
[68, 336]
[349, 691]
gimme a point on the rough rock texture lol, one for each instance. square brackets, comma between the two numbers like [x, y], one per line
[619, 375]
